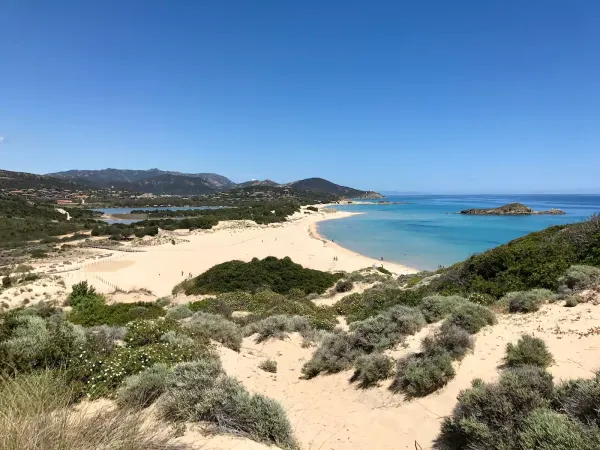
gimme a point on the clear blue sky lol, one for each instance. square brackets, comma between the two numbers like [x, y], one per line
[434, 96]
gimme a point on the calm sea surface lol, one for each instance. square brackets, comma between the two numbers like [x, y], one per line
[427, 232]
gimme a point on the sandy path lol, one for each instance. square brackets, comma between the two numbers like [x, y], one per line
[329, 413]
[161, 267]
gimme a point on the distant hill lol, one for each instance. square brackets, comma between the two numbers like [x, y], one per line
[24, 180]
[327, 187]
[153, 181]
[257, 183]
[159, 182]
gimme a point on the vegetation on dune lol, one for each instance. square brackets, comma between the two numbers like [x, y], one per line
[525, 301]
[265, 304]
[36, 413]
[213, 326]
[528, 350]
[277, 275]
[418, 375]
[370, 369]
[580, 277]
[141, 390]
[268, 365]
[438, 307]
[472, 317]
[201, 391]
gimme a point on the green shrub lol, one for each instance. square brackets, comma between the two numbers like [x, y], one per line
[571, 301]
[386, 329]
[438, 307]
[449, 339]
[277, 327]
[279, 275]
[163, 301]
[212, 326]
[80, 290]
[472, 317]
[580, 399]
[142, 389]
[580, 277]
[481, 299]
[383, 271]
[375, 300]
[179, 312]
[545, 429]
[6, 282]
[491, 415]
[145, 332]
[337, 352]
[420, 375]
[344, 286]
[268, 365]
[529, 350]
[101, 375]
[200, 391]
[93, 310]
[370, 369]
[526, 301]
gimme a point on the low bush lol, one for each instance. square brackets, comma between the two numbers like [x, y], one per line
[571, 301]
[491, 415]
[438, 307]
[580, 277]
[451, 339]
[200, 391]
[420, 375]
[472, 317]
[278, 275]
[337, 352]
[277, 327]
[36, 414]
[370, 369]
[101, 375]
[80, 291]
[383, 270]
[141, 390]
[268, 365]
[580, 399]
[179, 312]
[529, 350]
[374, 301]
[93, 310]
[145, 332]
[215, 327]
[386, 329]
[344, 286]
[545, 429]
[525, 301]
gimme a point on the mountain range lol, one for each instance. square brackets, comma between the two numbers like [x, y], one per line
[162, 182]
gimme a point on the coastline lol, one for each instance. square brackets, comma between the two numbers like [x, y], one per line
[159, 265]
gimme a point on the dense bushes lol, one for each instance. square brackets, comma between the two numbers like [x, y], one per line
[472, 317]
[370, 369]
[344, 286]
[340, 350]
[215, 327]
[92, 310]
[525, 301]
[278, 275]
[529, 350]
[179, 312]
[580, 277]
[438, 307]
[579, 399]
[142, 389]
[418, 375]
[537, 260]
[200, 391]
[450, 339]
[265, 304]
[277, 327]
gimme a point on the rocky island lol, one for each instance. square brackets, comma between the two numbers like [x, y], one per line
[512, 209]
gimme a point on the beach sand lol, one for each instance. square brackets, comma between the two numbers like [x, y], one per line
[159, 268]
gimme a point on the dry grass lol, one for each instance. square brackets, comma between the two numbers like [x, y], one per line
[35, 414]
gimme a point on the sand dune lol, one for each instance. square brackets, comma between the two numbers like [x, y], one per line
[160, 267]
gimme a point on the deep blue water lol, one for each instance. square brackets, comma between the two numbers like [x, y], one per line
[428, 233]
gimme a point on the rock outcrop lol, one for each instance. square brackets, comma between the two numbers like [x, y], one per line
[512, 209]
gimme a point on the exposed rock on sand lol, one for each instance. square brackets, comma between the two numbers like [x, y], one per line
[512, 209]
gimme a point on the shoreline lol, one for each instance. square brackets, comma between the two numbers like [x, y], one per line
[314, 232]
[163, 262]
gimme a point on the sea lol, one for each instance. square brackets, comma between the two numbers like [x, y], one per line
[427, 232]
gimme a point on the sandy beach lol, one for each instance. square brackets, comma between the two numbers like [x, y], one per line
[160, 267]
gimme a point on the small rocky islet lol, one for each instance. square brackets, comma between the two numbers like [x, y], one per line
[512, 209]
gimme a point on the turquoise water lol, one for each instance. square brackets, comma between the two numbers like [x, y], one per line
[427, 232]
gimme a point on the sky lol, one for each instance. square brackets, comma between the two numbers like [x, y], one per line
[467, 96]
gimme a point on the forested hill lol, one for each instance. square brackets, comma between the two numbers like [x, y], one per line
[24, 180]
